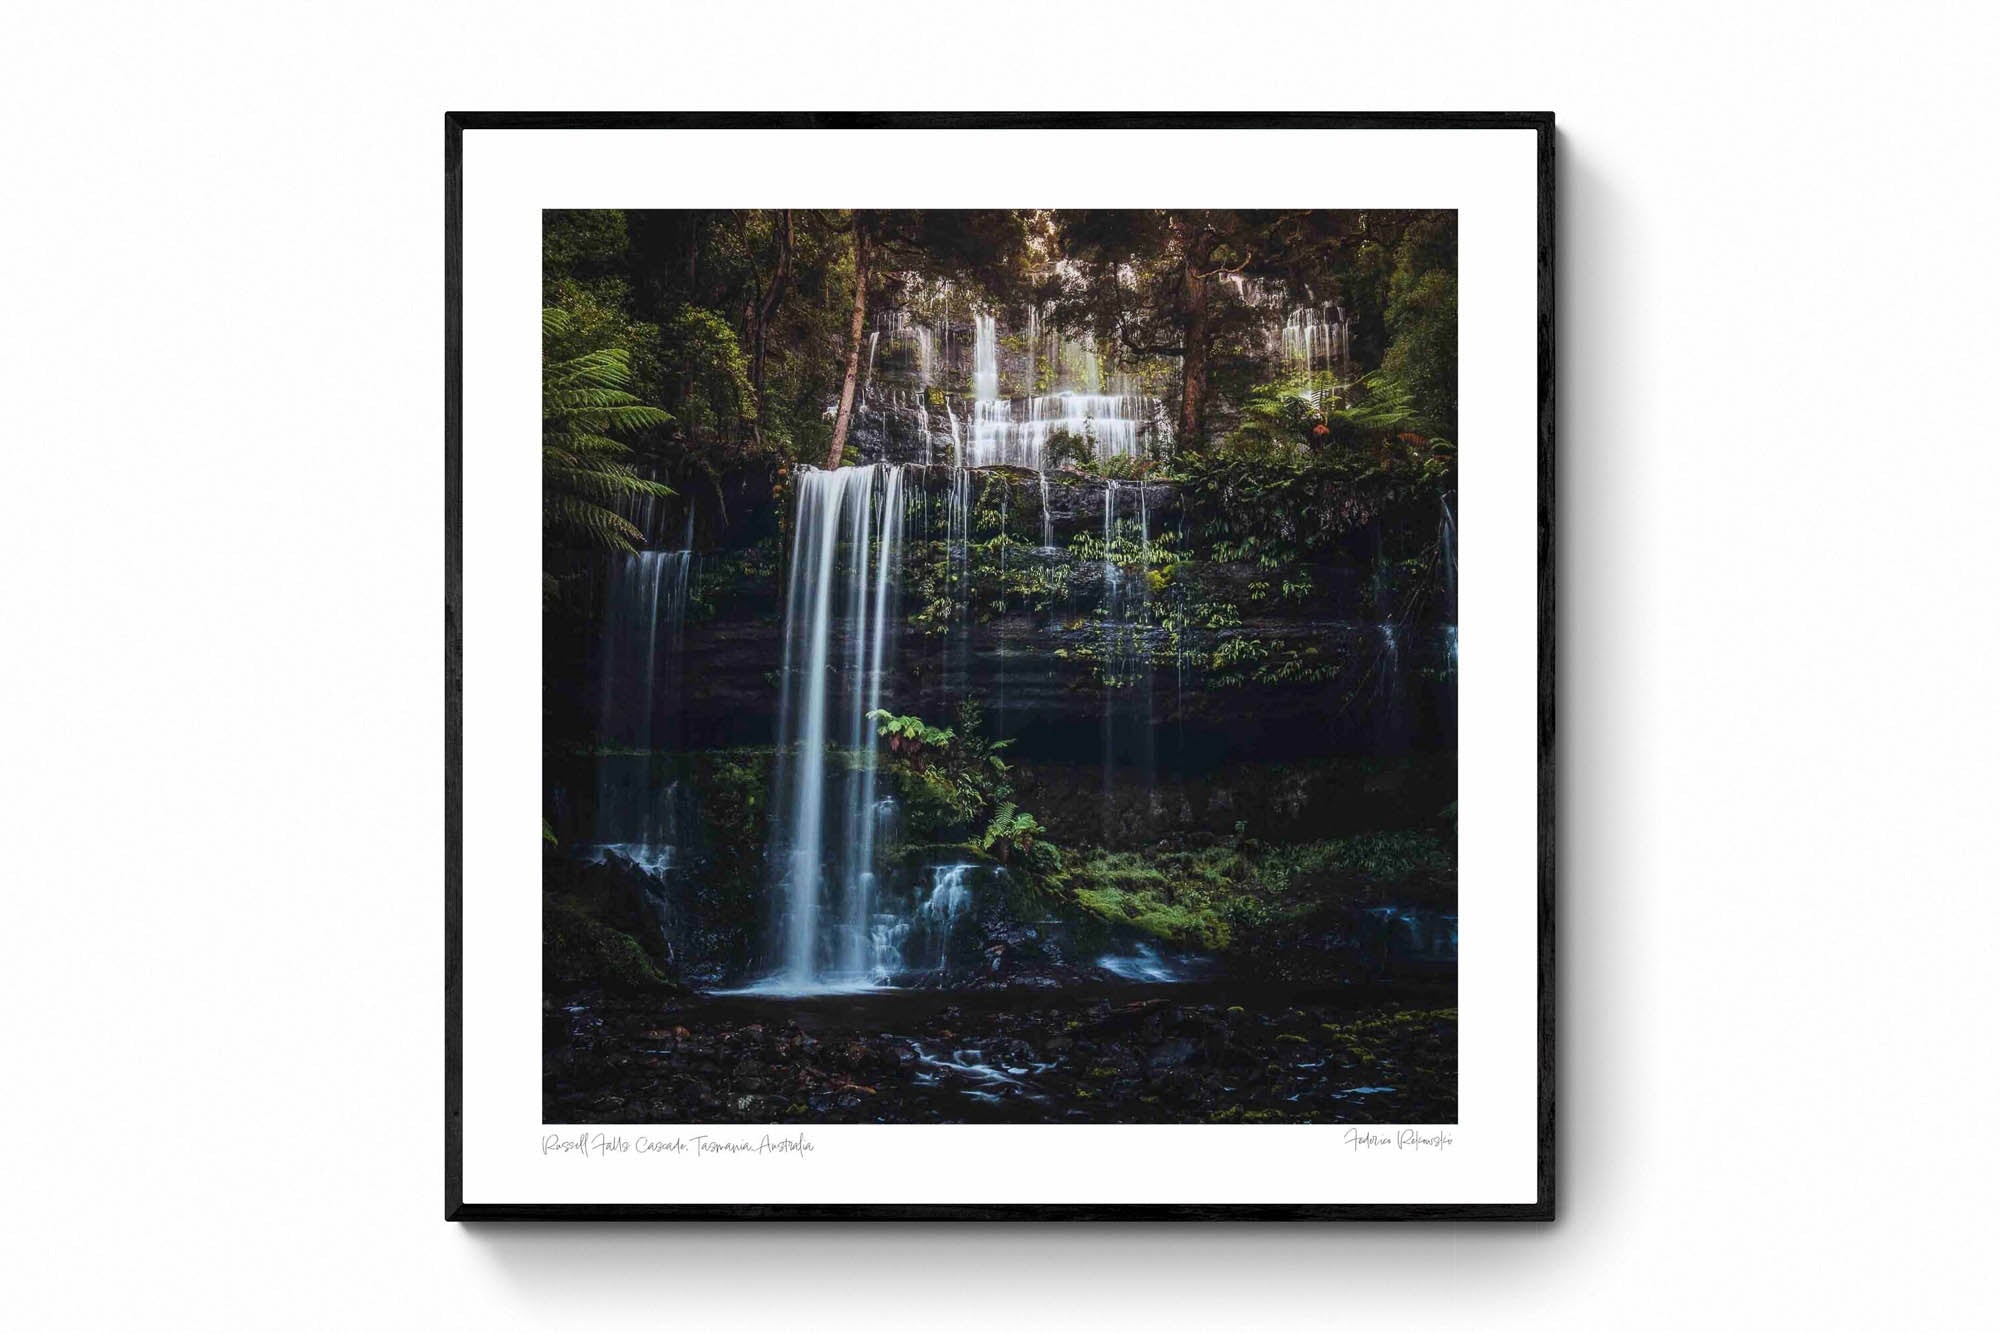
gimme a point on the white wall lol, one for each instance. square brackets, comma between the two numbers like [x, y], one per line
[221, 790]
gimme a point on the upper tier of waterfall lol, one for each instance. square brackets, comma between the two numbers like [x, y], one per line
[1016, 431]
[1020, 390]
[1314, 344]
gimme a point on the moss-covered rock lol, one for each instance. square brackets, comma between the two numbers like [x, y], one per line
[1243, 893]
[580, 951]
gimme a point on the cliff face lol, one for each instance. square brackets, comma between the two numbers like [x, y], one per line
[1019, 601]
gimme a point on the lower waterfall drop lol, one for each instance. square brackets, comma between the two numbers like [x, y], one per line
[638, 683]
[839, 645]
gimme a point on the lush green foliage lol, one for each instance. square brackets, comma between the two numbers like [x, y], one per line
[586, 472]
[1010, 833]
[954, 784]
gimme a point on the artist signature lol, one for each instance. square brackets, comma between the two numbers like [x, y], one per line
[1402, 1140]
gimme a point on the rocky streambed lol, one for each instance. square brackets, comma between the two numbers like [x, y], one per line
[1368, 1054]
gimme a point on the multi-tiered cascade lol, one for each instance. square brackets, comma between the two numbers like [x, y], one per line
[1113, 418]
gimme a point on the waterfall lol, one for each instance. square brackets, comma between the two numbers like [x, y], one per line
[1390, 684]
[949, 898]
[638, 694]
[1015, 431]
[838, 651]
[1111, 614]
[1126, 653]
[1143, 963]
[1048, 526]
[985, 359]
[958, 554]
[1110, 531]
[645, 609]
[919, 940]
[1448, 554]
[1003, 557]
[1034, 336]
[1448, 557]
[869, 379]
[1314, 346]
[1138, 643]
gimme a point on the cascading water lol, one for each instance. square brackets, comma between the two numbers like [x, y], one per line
[1448, 554]
[1034, 336]
[1388, 712]
[1110, 565]
[1126, 660]
[919, 939]
[1448, 557]
[638, 678]
[1113, 613]
[645, 611]
[1144, 962]
[1314, 344]
[838, 652]
[1412, 933]
[949, 899]
[985, 358]
[1015, 431]
[958, 555]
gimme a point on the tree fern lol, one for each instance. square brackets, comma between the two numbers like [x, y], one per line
[586, 473]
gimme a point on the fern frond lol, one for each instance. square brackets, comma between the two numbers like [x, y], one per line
[609, 368]
[584, 444]
[601, 483]
[583, 398]
[595, 525]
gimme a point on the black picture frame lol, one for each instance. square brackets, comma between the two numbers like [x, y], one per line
[456, 123]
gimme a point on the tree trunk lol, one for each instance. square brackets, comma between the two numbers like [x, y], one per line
[846, 417]
[765, 312]
[1194, 357]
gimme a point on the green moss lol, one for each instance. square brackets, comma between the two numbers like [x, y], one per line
[577, 949]
[1206, 898]
[1238, 1115]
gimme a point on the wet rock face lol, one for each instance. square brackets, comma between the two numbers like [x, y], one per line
[1061, 642]
[1276, 802]
[899, 427]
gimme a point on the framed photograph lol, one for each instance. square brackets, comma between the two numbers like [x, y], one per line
[1016, 679]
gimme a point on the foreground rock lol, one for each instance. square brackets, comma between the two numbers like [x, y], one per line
[1373, 1058]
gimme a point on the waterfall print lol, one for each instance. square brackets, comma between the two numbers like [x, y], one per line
[1000, 667]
